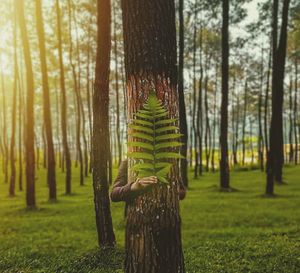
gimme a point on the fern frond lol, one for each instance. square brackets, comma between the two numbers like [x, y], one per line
[154, 140]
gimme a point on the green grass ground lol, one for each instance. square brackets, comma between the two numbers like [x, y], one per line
[240, 231]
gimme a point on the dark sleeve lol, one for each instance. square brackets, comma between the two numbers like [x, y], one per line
[121, 190]
[181, 191]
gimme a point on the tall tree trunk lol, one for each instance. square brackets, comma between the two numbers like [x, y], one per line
[14, 116]
[295, 110]
[153, 240]
[224, 165]
[118, 133]
[4, 131]
[182, 108]
[291, 129]
[260, 129]
[29, 137]
[67, 156]
[51, 175]
[244, 123]
[77, 97]
[100, 144]
[275, 158]
[194, 122]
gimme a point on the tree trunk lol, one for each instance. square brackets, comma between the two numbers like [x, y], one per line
[100, 141]
[295, 110]
[29, 136]
[275, 158]
[67, 156]
[51, 175]
[224, 166]
[182, 108]
[14, 116]
[153, 232]
[244, 123]
[118, 133]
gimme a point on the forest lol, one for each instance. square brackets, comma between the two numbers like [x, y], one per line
[150, 136]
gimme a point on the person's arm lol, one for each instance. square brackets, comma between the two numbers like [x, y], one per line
[181, 191]
[123, 191]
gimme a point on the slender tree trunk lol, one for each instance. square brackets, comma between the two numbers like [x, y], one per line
[118, 133]
[29, 137]
[291, 123]
[14, 116]
[100, 144]
[182, 108]
[51, 174]
[77, 97]
[275, 158]
[224, 166]
[4, 131]
[67, 156]
[244, 123]
[153, 242]
[296, 111]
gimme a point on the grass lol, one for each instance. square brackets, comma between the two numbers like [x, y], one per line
[240, 231]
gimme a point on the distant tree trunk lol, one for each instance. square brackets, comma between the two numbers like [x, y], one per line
[296, 131]
[153, 240]
[51, 174]
[182, 108]
[118, 133]
[100, 141]
[291, 123]
[266, 104]
[260, 140]
[199, 120]
[29, 137]
[224, 166]
[214, 121]
[275, 158]
[14, 115]
[67, 156]
[4, 131]
[20, 123]
[194, 122]
[244, 123]
[77, 98]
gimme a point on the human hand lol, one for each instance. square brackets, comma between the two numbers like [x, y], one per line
[143, 183]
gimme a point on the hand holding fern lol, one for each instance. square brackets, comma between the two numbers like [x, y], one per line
[143, 183]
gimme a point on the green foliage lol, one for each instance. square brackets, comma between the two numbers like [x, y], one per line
[156, 137]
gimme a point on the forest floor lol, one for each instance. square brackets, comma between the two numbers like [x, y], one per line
[240, 231]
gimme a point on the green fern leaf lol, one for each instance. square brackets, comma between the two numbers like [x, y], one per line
[155, 134]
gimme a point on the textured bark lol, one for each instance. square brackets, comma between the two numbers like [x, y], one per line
[67, 156]
[224, 165]
[275, 157]
[153, 231]
[100, 141]
[4, 132]
[182, 109]
[51, 177]
[29, 131]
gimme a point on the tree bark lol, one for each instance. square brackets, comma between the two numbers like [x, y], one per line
[29, 133]
[153, 231]
[100, 141]
[51, 174]
[224, 165]
[67, 156]
[182, 108]
[275, 158]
